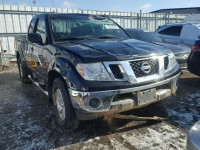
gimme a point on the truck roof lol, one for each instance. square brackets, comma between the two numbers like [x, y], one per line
[70, 14]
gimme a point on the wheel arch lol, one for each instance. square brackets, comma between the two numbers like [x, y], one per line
[19, 52]
[59, 67]
[64, 69]
[52, 75]
[17, 55]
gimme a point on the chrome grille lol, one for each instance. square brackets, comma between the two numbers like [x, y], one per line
[137, 67]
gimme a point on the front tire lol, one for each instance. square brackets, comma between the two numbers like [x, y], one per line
[63, 108]
[23, 72]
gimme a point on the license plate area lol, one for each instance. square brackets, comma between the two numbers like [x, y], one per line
[145, 97]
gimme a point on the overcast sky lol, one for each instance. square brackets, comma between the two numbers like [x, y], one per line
[113, 5]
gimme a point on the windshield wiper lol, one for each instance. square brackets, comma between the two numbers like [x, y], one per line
[107, 37]
[71, 39]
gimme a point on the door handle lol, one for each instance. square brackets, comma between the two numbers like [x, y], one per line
[32, 49]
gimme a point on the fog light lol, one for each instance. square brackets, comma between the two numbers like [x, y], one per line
[95, 103]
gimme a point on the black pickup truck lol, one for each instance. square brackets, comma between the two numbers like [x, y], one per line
[89, 67]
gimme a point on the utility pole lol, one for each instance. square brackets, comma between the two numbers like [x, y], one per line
[34, 2]
[53, 3]
[3, 3]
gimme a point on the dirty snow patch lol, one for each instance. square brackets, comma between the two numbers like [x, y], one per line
[186, 112]
[156, 137]
[162, 138]
[117, 145]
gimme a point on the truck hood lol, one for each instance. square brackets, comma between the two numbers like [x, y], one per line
[112, 49]
[175, 48]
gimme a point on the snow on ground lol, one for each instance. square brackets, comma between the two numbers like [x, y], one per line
[26, 121]
[187, 111]
[117, 145]
[157, 137]
[163, 138]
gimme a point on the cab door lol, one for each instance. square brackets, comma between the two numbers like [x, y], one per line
[27, 49]
[39, 50]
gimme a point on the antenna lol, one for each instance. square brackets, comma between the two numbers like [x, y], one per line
[34, 2]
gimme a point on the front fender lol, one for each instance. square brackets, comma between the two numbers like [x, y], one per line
[67, 70]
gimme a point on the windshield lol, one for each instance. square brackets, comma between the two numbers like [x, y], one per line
[81, 27]
[144, 36]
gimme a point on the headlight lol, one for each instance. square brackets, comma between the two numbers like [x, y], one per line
[172, 61]
[93, 71]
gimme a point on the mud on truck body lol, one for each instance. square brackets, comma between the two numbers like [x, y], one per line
[89, 67]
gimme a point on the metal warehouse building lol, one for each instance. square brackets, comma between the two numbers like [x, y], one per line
[190, 10]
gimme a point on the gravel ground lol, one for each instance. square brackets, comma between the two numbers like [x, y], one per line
[27, 121]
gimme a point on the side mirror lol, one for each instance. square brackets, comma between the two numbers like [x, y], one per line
[199, 36]
[4, 51]
[35, 38]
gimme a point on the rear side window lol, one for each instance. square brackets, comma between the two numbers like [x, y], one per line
[174, 31]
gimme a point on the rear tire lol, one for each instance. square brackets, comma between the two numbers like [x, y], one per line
[63, 108]
[23, 72]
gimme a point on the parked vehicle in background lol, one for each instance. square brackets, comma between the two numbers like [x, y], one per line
[181, 51]
[193, 142]
[89, 67]
[184, 33]
[196, 45]
[194, 62]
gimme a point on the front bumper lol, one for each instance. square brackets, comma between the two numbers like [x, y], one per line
[115, 101]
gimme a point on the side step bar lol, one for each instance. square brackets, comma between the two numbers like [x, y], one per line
[37, 84]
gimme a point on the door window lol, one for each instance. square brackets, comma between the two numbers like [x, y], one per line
[32, 25]
[41, 29]
[174, 31]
